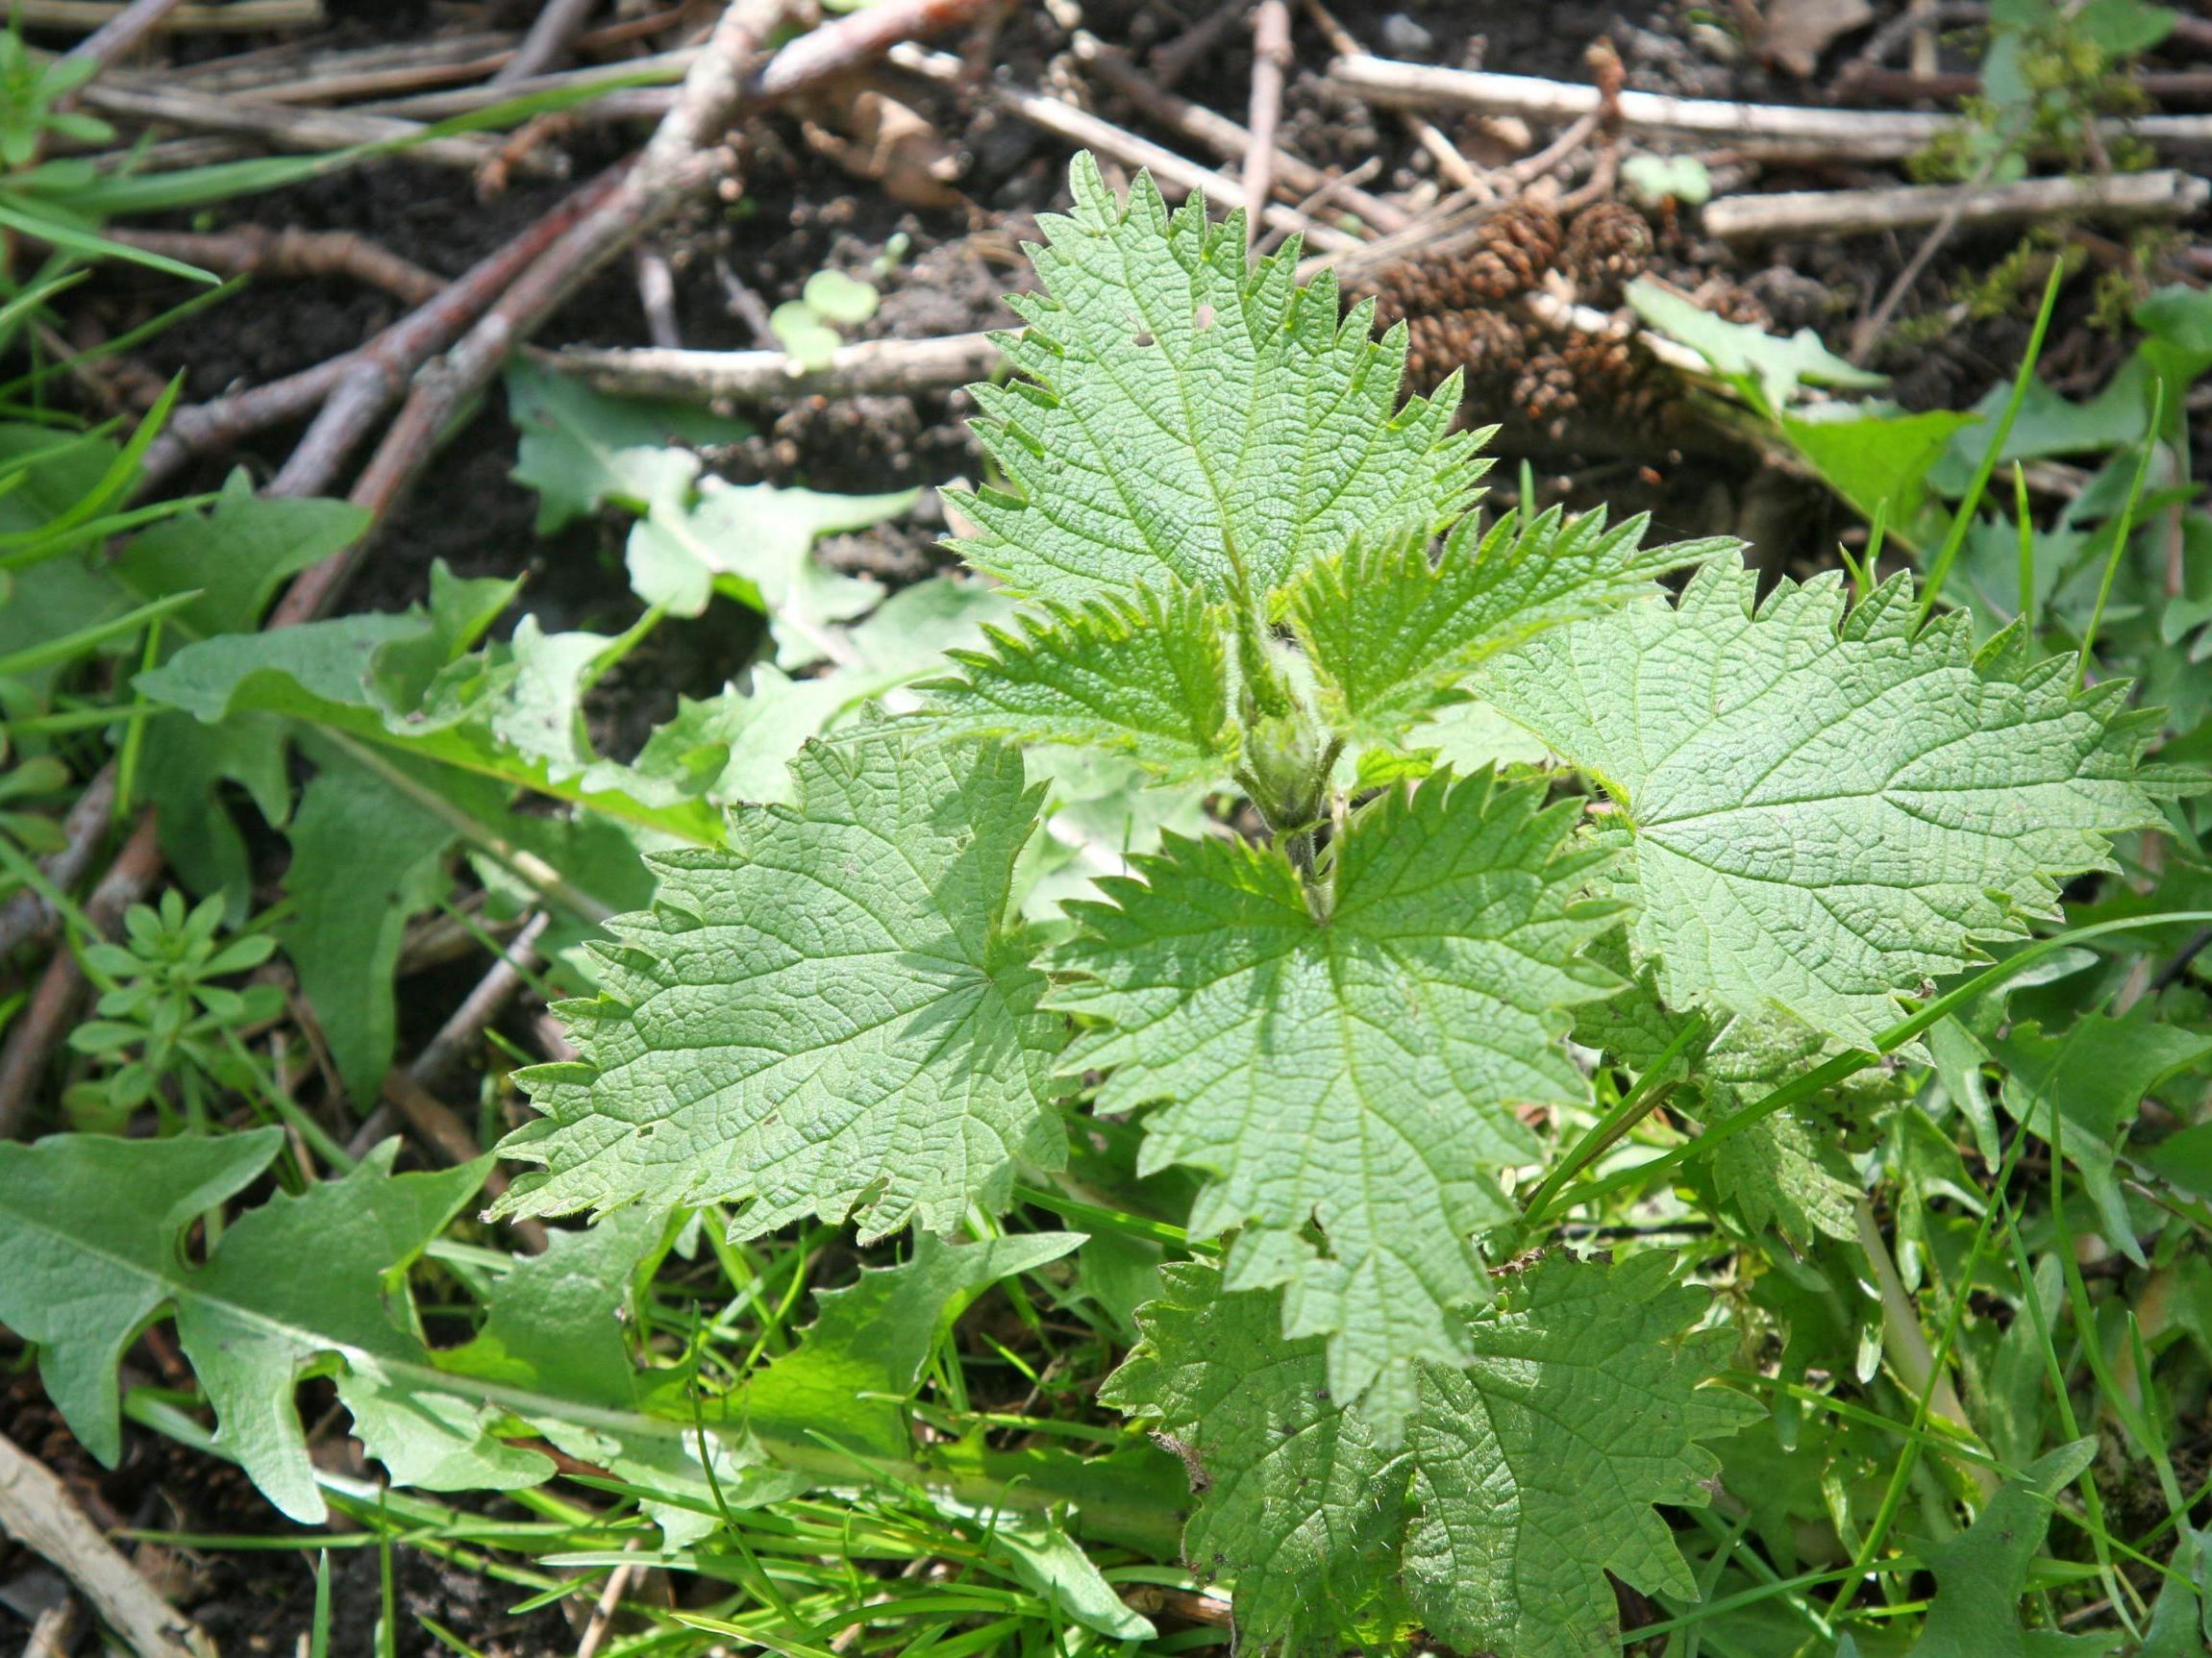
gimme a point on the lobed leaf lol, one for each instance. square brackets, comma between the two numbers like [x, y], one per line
[1826, 809]
[1359, 1067]
[832, 1018]
[1184, 417]
[1527, 1475]
[1391, 633]
[1145, 676]
[294, 1280]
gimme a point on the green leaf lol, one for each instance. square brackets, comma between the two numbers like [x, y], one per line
[2095, 1074]
[831, 1018]
[839, 298]
[1391, 633]
[1527, 1476]
[1825, 810]
[1183, 417]
[287, 1284]
[581, 449]
[366, 861]
[1360, 1069]
[237, 553]
[865, 1352]
[362, 677]
[755, 543]
[1147, 676]
[1773, 366]
[1879, 460]
[1785, 1172]
[1982, 1574]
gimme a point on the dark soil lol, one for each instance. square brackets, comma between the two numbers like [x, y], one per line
[801, 213]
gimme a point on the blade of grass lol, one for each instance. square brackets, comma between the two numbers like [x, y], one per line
[1962, 518]
[2123, 528]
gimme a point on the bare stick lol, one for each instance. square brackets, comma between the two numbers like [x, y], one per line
[1269, 62]
[467, 100]
[1869, 326]
[873, 366]
[1223, 136]
[238, 16]
[1441, 150]
[657, 297]
[481, 1006]
[1173, 60]
[2157, 195]
[386, 361]
[547, 45]
[681, 158]
[1760, 130]
[114, 39]
[256, 250]
[27, 915]
[47, 1018]
[283, 125]
[36, 1509]
[1086, 130]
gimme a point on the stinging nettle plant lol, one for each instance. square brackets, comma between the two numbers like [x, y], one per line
[1249, 565]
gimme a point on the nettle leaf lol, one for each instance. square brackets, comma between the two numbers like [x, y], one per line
[1826, 809]
[1527, 1473]
[288, 1285]
[1147, 676]
[1359, 1068]
[1785, 1172]
[1391, 633]
[1184, 417]
[832, 1018]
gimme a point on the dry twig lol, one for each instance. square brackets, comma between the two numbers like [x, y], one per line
[285, 125]
[2165, 194]
[684, 156]
[547, 45]
[37, 1510]
[113, 40]
[740, 377]
[1269, 62]
[1757, 130]
[1086, 130]
[47, 1018]
[256, 250]
[1223, 136]
[27, 915]
[230, 18]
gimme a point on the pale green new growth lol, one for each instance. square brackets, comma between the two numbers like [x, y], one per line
[1827, 810]
[1361, 1068]
[1147, 676]
[1391, 633]
[1527, 1475]
[830, 1019]
[1183, 417]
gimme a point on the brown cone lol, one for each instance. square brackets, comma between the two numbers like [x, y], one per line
[1608, 246]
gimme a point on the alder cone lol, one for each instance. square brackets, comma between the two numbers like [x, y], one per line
[1545, 393]
[1513, 248]
[1488, 344]
[1607, 247]
[1616, 382]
